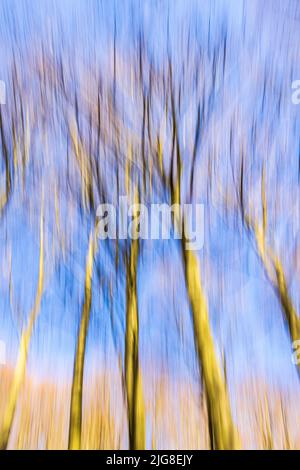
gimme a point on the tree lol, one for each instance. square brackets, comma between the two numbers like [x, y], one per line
[271, 262]
[20, 368]
[77, 383]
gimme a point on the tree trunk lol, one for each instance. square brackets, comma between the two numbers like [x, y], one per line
[133, 378]
[20, 369]
[77, 385]
[223, 432]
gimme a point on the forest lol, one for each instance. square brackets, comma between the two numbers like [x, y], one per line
[138, 328]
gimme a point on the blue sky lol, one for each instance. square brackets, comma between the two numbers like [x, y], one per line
[245, 313]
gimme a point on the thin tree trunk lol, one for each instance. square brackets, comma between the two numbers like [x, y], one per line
[5, 196]
[223, 432]
[289, 310]
[77, 385]
[271, 263]
[275, 272]
[133, 378]
[20, 369]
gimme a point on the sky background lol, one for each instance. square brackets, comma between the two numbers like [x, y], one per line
[244, 311]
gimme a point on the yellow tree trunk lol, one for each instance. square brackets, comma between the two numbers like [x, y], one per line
[289, 310]
[77, 385]
[275, 272]
[273, 266]
[224, 435]
[133, 378]
[20, 369]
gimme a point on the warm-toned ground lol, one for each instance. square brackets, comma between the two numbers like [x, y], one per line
[176, 418]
